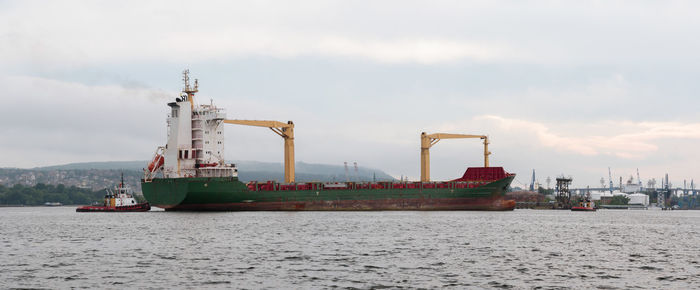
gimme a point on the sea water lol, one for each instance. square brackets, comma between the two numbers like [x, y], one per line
[55, 247]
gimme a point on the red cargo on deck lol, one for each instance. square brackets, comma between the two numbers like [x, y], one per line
[483, 174]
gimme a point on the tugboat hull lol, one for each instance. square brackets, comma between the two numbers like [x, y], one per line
[579, 208]
[127, 208]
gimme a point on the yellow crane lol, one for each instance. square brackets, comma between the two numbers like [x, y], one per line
[286, 131]
[428, 140]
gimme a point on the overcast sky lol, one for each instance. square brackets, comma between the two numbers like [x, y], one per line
[561, 87]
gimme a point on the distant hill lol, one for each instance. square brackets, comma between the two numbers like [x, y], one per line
[82, 178]
[82, 183]
[254, 170]
[248, 170]
[106, 165]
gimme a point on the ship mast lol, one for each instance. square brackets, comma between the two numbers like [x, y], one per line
[189, 90]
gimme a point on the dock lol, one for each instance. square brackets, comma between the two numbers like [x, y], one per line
[625, 206]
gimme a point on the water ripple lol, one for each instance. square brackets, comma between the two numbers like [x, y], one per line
[58, 248]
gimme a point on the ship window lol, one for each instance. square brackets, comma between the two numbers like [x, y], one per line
[219, 132]
[206, 132]
[186, 153]
[174, 113]
[179, 156]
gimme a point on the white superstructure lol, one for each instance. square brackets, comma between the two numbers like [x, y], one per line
[632, 186]
[195, 146]
[120, 196]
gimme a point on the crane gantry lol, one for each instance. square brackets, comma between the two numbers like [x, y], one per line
[286, 131]
[428, 140]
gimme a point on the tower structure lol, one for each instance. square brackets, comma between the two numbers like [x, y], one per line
[661, 198]
[563, 194]
[692, 187]
[639, 180]
[610, 178]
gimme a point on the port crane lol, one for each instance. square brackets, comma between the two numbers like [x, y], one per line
[428, 140]
[286, 131]
[610, 177]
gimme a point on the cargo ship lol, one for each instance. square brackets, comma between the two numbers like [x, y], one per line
[189, 173]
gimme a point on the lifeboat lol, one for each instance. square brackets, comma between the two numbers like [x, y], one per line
[157, 162]
[203, 165]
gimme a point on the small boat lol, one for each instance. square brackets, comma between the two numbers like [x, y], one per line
[585, 205]
[118, 200]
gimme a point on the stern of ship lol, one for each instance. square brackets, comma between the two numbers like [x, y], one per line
[165, 192]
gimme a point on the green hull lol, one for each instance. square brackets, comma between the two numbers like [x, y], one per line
[229, 194]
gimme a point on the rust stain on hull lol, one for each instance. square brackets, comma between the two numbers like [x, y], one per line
[488, 204]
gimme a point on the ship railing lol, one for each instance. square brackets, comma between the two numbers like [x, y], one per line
[276, 186]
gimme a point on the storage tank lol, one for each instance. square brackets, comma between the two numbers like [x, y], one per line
[638, 198]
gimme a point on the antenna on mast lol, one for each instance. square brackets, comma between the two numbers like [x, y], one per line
[187, 90]
[356, 175]
[186, 79]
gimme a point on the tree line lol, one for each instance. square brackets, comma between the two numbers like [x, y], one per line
[41, 193]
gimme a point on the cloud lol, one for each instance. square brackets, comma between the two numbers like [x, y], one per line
[44, 49]
[48, 121]
[75, 33]
[346, 73]
[60, 36]
[638, 142]
[425, 51]
[270, 43]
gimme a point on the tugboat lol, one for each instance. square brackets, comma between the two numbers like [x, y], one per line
[585, 205]
[118, 200]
